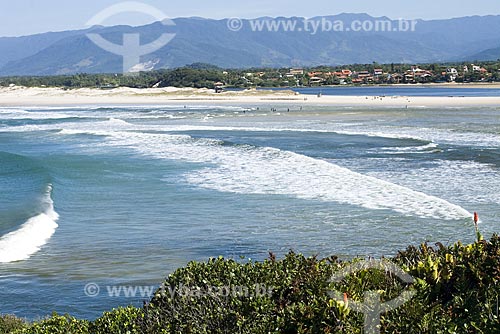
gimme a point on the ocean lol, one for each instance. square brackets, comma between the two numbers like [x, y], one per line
[122, 196]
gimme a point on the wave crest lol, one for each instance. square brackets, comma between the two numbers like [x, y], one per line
[31, 236]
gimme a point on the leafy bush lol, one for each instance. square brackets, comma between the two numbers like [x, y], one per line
[119, 321]
[224, 296]
[463, 280]
[59, 324]
[456, 290]
[11, 324]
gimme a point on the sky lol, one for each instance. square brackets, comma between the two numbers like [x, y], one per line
[26, 17]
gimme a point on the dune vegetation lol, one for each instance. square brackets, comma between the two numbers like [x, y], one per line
[454, 289]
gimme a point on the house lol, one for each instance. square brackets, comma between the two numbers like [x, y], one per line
[378, 71]
[296, 71]
[409, 77]
[396, 78]
[417, 74]
[344, 74]
[316, 80]
[219, 87]
[416, 69]
[347, 73]
[315, 74]
[364, 76]
[452, 74]
[422, 76]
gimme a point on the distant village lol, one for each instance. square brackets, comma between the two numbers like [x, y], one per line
[209, 76]
[357, 75]
[375, 75]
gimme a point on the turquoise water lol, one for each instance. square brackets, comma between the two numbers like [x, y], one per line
[124, 195]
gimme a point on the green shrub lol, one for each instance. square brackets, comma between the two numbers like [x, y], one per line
[59, 324]
[456, 290]
[10, 324]
[119, 321]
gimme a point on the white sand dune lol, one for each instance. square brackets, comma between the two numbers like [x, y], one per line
[22, 96]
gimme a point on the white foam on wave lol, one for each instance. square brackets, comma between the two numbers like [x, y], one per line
[249, 170]
[76, 127]
[10, 110]
[31, 236]
[246, 169]
[430, 135]
[441, 136]
[433, 136]
[423, 149]
[189, 127]
[116, 121]
[460, 180]
[19, 114]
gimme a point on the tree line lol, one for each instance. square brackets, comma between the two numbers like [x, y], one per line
[208, 76]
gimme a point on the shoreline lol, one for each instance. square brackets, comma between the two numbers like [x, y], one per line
[52, 97]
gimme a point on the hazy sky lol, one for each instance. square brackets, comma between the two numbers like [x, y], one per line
[23, 17]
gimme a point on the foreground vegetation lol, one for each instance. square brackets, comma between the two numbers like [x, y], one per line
[208, 76]
[456, 290]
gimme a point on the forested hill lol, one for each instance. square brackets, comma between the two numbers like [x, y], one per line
[212, 41]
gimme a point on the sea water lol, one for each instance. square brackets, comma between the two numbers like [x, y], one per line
[118, 196]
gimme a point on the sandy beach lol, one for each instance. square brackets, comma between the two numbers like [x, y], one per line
[22, 96]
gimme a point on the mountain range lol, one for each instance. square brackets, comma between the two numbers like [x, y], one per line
[199, 40]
